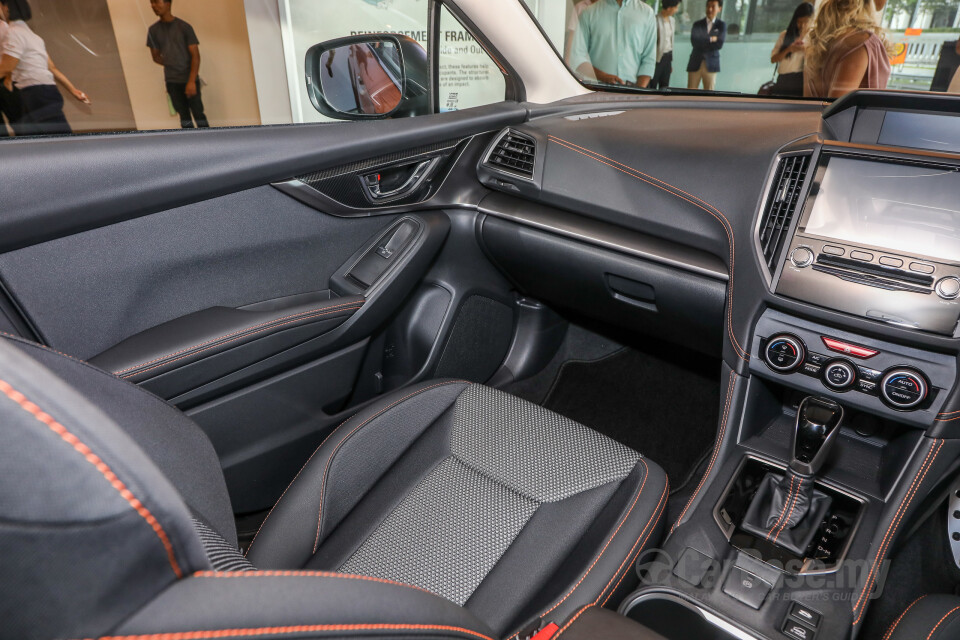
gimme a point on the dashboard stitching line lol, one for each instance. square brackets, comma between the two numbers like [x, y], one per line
[793, 504]
[783, 510]
[716, 451]
[742, 353]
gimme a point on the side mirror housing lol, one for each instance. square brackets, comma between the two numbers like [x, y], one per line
[368, 77]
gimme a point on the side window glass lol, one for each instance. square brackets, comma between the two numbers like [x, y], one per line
[469, 77]
[128, 65]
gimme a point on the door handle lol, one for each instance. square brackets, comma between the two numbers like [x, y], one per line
[376, 191]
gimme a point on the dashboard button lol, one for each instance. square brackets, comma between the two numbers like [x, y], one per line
[831, 250]
[805, 614]
[817, 358]
[747, 588]
[920, 267]
[794, 629]
[850, 349]
[903, 388]
[865, 386]
[784, 353]
[861, 255]
[811, 369]
[802, 257]
[839, 375]
[948, 288]
[866, 373]
[891, 262]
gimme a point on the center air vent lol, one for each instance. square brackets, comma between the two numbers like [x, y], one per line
[780, 207]
[514, 153]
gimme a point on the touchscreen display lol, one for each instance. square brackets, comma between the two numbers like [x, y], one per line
[901, 208]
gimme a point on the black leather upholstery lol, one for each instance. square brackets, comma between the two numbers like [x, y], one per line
[582, 508]
[930, 617]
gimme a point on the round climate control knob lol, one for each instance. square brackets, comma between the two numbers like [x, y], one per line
[784, 353]
[801, 257]
[903, 388]
[839, 375]
[948, 288]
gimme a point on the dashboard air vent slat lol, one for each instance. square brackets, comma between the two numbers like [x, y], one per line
[514, 153]
[781, 207]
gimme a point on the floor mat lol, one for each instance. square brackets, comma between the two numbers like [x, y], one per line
[664, 406]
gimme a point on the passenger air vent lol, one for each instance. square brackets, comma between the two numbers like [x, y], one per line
[514, 153]
[781, 205]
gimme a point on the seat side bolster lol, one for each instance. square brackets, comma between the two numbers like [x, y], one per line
[269, 604]
[930, 617]
[344, 468]
[610, 564]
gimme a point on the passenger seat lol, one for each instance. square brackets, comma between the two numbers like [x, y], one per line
[447, 509]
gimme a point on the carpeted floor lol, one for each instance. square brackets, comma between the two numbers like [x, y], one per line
[661, 402]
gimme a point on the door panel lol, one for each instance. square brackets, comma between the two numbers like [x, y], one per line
[170, 259]
[88, 292]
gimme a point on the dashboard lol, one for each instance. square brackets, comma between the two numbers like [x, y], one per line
[838, 230]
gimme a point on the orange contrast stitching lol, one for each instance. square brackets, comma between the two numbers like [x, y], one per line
[793, 504]
[245, 333]
[901, 510]
[228, 335]
[303, 628]
[646, 474]
[323, 483]
[896, 622]
[100, 465]
[572, 620]
[945, 616]
[627, 561]
[783, 510]
[742, 353]
[301, 574]
[716, 451]
[269, 513]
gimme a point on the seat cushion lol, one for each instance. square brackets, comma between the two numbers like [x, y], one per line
[487, 500]
[930, 617]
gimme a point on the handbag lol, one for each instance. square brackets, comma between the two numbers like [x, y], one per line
[766, 89]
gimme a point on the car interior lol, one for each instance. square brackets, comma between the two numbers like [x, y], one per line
[613, 365]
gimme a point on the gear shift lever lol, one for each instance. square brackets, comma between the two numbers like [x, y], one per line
[814, 434]
[787, 510]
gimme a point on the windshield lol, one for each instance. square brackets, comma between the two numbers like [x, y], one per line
[783, 48]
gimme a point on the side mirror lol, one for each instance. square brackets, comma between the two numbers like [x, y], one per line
[368, 77]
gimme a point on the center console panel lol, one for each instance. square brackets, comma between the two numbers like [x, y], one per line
[886, 379]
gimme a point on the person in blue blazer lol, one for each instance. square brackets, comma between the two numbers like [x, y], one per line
[707, 36]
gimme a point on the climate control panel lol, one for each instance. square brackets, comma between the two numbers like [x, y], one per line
[900, 387]
[884, 378]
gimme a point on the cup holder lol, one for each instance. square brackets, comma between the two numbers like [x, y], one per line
[677, 619]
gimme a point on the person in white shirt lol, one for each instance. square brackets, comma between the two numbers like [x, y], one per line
[787, 53]
[666, 27]
[26, 66]
[572, 24]
[9, 99]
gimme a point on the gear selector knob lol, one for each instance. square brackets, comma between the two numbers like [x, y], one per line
[816, 429]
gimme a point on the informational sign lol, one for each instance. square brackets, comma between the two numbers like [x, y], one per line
[468, 77]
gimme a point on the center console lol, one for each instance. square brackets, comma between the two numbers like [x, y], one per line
[829, 441]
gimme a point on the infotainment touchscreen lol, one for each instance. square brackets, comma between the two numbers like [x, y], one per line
[900, 208]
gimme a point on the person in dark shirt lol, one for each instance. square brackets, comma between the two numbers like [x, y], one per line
[175, 47]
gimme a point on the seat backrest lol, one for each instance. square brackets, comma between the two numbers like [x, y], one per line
[90, 528]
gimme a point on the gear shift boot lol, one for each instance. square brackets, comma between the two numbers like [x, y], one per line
[786, 511]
